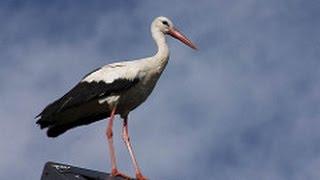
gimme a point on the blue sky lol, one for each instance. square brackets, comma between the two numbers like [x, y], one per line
[245, 106]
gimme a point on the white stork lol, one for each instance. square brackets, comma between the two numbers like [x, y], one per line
[116, 88]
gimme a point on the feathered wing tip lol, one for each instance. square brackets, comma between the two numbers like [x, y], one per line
[41, 122]
[47, 119]
[53, 131]
[43, 118]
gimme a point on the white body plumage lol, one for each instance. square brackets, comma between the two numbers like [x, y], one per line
[147, 71]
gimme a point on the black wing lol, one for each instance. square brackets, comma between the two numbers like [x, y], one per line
[83, 93]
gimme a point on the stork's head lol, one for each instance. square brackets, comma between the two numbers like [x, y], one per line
[165, 25]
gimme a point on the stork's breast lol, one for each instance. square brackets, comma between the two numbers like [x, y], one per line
[138, 93]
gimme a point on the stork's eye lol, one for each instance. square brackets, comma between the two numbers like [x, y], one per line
[165, 23]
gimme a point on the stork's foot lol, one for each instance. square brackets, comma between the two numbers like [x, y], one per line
[115, 173]
[139, 176]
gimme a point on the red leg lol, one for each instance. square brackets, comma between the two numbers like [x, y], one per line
[109, 134]
[126, 138]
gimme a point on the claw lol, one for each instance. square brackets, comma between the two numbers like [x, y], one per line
[139, 176]
[115, 173]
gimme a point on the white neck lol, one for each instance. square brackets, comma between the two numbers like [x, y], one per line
[163, 51]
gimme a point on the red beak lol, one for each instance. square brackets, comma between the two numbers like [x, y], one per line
[178, 35]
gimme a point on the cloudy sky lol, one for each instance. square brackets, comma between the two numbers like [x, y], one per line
[245, 106]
